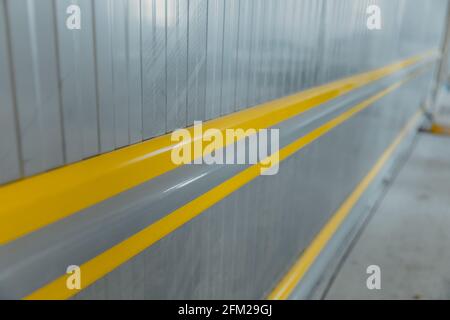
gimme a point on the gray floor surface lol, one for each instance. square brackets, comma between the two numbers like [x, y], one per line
[408, 236]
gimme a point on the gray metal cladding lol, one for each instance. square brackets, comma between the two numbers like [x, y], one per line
[141, 68]
[197, 49]
[10, 168]
[230, 51]
[153, 40]
[32, 49]
[77, 81]
[241, 246]
[214, 58]
[244, 53]
[92, 231]
[177, 55]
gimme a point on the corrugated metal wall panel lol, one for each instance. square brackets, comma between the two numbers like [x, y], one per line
[230, 50]
[138, 69]
[10, 159]
[105, 80]
[244, 53]
[177, 48]
[177, 72]
[134, 53]
[214, 56]
[240, 247]
[77, 83]
[197, 48]
[154, 67]
[141, 68]
[36, 87]
[120, 72]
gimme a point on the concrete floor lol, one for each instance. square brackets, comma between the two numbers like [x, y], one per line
[408, 236]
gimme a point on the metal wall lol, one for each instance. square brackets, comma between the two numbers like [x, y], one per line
[141, 68]
[138, 69]
[241, 247]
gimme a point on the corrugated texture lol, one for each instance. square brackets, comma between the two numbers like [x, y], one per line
[9, 144]
[177, 54]
[141, 68]
[32, 50]
[196, 63]
[153, 67]
[240, 247]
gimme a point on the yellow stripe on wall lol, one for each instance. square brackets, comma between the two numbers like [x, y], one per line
[291, 280]
[106, 262]
[440, 129]
[32, 203]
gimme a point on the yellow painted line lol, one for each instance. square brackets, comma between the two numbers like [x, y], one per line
[106, 262]
[290, 281]
[32, 203]
[440, 129]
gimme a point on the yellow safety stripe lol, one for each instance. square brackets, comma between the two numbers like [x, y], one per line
[32, 203]
[440, 129]
[104, 263]
[294, 276]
